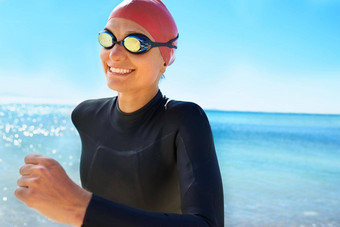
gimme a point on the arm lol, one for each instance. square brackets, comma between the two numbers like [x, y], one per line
[45, 187]
[103, 212]
[199, 174]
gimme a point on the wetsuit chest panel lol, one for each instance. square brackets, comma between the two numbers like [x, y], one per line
[144, 178]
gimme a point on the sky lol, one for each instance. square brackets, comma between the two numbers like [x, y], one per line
[244, 55]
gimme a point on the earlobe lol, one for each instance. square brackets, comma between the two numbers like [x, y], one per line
[163, 69]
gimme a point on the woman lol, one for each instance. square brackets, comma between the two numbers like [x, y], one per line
[146, 160]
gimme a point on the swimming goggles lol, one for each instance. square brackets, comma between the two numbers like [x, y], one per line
[134, 43]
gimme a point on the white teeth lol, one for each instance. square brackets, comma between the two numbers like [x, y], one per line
[121, 71]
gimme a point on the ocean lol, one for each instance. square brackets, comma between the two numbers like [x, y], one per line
[278, 169]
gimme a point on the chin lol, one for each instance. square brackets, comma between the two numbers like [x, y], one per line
[116, 86]
[112, 86]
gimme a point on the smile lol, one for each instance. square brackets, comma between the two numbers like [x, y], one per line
[120, 71]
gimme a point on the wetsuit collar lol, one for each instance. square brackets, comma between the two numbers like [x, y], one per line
[154, 100]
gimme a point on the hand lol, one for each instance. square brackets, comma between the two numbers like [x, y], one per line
[45, 186]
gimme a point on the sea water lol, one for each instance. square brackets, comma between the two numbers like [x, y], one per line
[277, 169]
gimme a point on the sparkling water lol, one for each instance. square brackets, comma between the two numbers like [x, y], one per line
[277, 169]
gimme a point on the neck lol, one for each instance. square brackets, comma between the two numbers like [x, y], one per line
[133, 101]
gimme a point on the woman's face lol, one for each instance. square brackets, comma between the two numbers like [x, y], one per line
[127, 72]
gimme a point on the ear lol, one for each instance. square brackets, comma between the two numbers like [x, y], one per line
[163, 68]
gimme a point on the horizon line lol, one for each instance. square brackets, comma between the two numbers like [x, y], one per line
[4, 100]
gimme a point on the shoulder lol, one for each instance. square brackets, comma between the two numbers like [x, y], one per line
[186, 109]
[92, 104]
[189, 116]
[89, 108]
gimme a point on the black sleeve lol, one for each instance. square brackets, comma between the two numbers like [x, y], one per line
[199, 173]
[103, 212]
[199, 178]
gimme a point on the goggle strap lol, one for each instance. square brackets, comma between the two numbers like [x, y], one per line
[167, 44]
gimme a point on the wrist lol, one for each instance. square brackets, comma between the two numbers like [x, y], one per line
[80, 208]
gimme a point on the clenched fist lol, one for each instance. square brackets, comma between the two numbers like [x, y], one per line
[45, 186]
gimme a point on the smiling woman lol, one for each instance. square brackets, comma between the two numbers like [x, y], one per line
[146, 160]
[132, 75]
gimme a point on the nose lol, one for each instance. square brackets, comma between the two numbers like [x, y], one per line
[117, 52]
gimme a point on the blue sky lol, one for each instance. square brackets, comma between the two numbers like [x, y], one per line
[263, 55]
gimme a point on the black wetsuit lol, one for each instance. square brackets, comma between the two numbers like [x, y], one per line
[153, 167]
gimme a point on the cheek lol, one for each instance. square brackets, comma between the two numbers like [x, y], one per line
[153, 62]
[104, 54]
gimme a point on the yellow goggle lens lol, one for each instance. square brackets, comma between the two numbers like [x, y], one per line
[105, 40]
[132, 44]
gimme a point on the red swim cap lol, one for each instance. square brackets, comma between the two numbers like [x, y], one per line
[155, 18]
